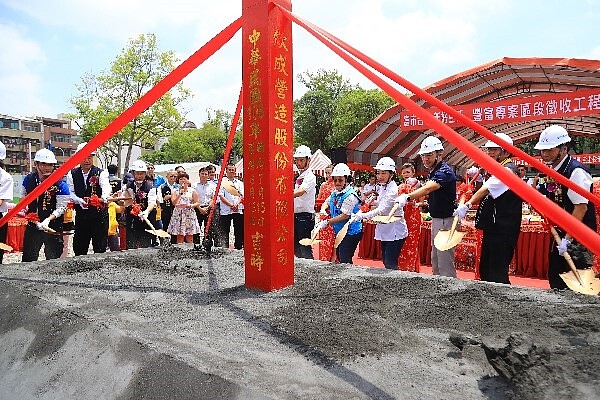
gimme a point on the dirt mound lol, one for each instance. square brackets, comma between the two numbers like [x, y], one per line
[184, 319]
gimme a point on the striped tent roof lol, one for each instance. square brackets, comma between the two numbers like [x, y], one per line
[498, 80]
[318, 162]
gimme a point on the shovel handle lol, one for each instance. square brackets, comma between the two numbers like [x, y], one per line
[455, 220]
[392, 212]
[566, 255]
[150, 224]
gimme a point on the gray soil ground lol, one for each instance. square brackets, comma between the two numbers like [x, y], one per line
[177, 324]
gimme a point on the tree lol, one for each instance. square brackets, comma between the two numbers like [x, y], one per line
[333, 110]
[354, 111]
[203, 144]
[315, 111]
[103, 97]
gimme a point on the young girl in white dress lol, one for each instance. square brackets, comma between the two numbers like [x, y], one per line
[184, 223]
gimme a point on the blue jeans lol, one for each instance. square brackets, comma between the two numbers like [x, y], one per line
[390, 251]
[347, 248]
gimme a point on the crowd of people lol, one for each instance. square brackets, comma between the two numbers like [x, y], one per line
[143, 208]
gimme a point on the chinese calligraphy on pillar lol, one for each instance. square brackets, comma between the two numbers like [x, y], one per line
[268, 142]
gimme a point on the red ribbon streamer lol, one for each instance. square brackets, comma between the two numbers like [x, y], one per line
[228, 146]
[133, 111]
[457, 115]
[581, 232]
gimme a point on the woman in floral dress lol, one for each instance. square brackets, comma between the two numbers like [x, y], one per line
[326, 235]
[184, 223]
[409, 256]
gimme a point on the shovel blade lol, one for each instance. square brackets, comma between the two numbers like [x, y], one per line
[309, 241]
[5, 247]
[384, 219]
[227, 185]
[589, 283]
[159, 233]
[445, 240]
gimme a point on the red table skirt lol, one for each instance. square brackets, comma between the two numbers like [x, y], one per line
[530, 259]
[15, 233]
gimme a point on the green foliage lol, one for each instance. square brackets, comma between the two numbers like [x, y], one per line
[333, 110]
[103, 97]
[204, 144]
[354, 111]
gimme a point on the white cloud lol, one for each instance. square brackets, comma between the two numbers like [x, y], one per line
[20, 80]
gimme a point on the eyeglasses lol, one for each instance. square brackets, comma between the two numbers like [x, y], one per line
[149, 168]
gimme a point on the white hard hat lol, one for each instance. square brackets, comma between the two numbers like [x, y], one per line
[430, 144]
[139, 166]
[82, 145]
[501, 136]
[45, 156]
[2, 151]
[341, 169]
[551, 137]
[302, 151]
[386, 164]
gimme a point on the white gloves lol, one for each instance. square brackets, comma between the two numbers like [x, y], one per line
[401, 200]
[562, 247]
[44, 225]
[461, 210]
[322, 224]
[359, 216]
[81, 202]
[143, 215]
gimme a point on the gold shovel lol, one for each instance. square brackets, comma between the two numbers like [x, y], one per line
[311, 240]
[157, 232]
[5, 247]
[387, 219]
[582, 281]
[227, 185]
[445, 240]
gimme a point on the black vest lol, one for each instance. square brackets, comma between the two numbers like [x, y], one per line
[166, 190]
[90, 187]
[46, 203]
[502, 214]
[140, 196]
[560, 196]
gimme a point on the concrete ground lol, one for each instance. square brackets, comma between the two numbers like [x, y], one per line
[177, 324]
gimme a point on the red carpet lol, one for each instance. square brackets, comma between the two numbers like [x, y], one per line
[426, 269]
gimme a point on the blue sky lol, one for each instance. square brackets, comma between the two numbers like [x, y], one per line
[48, 45]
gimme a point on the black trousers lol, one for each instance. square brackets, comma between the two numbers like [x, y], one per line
[90, 226]
[34, 239]
[303, 225]
[497, 250]
[238, 229]
[208, 233]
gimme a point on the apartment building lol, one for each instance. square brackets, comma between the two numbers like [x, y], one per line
[22, 138]
[59, 137]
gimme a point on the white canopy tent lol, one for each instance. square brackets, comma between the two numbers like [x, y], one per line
[191, 168]
[318, 162]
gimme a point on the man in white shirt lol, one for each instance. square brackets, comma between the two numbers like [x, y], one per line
[370, 188]
[305, 188]
[91, 219]
[499, 216]
[232, 210]
[6, 195]
[554, 149]
[206, 192]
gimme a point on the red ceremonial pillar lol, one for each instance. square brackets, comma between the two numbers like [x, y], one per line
[268, 145]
